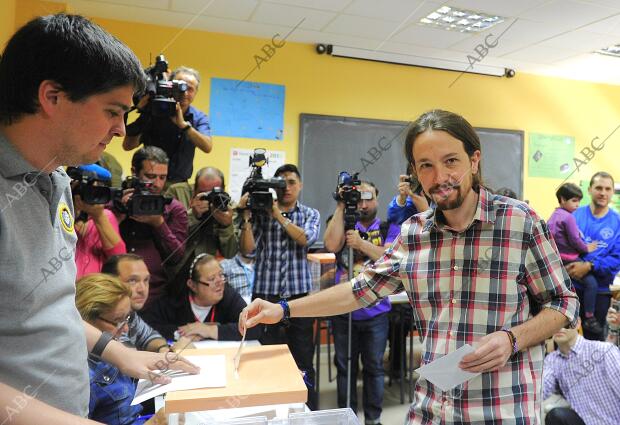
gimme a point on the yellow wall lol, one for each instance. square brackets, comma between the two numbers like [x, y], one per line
[333, 86]
[7, 21]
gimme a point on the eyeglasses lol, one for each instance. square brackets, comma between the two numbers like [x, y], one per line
[117, 325]
[220, 277]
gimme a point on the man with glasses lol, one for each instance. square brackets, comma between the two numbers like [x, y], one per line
[208, 308]
[131, 269]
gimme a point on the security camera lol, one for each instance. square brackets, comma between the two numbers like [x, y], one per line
[321, 48]
[509, 73]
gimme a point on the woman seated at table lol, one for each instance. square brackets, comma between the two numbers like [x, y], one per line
[209, 308]
[103, 301]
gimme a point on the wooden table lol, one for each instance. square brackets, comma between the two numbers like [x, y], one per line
[267, 375]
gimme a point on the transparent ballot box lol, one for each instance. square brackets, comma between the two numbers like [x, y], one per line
[323, 270]
[293, 417]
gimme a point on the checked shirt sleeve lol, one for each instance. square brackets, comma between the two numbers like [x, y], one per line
[545, 277]
[382, 278]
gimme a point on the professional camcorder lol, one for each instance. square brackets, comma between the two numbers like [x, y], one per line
[217, 198]
[92, 183]
[347, 192]
[143, 201]
[260, 199]
[164, 94]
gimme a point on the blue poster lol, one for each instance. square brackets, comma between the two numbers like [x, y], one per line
[246, 109]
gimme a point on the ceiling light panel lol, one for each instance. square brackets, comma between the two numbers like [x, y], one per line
[452, 19]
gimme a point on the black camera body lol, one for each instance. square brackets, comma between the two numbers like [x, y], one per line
[347, 192]
[164, 93]
[92, 188]
[260, 199]
[414, 184]
[217, 198]
[143, 201]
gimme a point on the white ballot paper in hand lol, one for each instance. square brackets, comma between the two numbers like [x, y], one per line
[445, 372]
[212, 375]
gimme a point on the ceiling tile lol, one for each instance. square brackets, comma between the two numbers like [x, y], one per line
[279, 14]
[329, 5]
[231, 9]
[429, 37]
[539, 54]
[581, 41]
[609, 26]
[391, 10]
[363, 27]
[155, 4]
[567, 14]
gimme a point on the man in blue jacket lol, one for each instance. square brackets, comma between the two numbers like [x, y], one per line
[598, 223]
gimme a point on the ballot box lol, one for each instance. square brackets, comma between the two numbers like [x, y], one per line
[323, 270]
[321, 417]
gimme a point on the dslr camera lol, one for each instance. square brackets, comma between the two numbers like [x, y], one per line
[217, 198]
[347, 192]
[164, 94]
[259, 188]
[143, 201]
[414, 184]
[92, 183]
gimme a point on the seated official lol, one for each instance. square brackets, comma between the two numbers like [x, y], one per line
[104, 302]
[96, 228]
[132, 270]
[208, 309]
[586, 374]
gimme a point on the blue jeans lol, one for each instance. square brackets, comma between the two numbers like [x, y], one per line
[368, 340]
[590, 290]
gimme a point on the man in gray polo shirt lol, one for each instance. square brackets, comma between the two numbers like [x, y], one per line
[64, 86]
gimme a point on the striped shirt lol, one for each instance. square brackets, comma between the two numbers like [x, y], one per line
[588, 379]
[281, 265]
[465, 285]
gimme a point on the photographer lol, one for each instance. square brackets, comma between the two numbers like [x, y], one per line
[281, 242]
[370, 325]
[97, 230]
[210, 216]
[409, 200]
[178, 135]
[156, 238]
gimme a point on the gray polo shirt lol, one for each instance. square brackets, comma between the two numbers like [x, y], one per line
[42, 343]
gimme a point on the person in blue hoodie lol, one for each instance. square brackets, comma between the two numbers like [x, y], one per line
[598, 222]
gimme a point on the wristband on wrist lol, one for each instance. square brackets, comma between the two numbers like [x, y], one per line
[286, 315]
[186, 128]
[286, 223]
[513, 340]
[101, 344]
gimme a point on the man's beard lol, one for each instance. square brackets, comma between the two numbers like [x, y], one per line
[445, 204]
[368, 215]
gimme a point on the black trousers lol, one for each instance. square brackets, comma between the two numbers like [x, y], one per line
[603, 301]
[563, 416]
[299, 336]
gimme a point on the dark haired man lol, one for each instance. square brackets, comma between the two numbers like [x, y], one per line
[159, 239]
[282, 272]
[599, 223]
[179, 135]
[477, 268]
[369, 328]
[64, 86]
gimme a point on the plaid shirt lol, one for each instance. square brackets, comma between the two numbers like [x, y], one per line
[588, 379]
[463, 286]
[281, 265]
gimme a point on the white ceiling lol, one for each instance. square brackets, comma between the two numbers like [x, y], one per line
[549, 37]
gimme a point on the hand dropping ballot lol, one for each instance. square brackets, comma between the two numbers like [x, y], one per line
[445, 373]
[212, 375]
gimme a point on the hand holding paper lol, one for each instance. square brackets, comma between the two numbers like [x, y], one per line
[445, 373]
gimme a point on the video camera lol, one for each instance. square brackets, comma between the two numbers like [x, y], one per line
[217, 198]
[164, 93]
[347, 192]
[93, 183]
[143, 201]
[260, 199]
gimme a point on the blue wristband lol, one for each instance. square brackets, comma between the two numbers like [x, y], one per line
[286, 311]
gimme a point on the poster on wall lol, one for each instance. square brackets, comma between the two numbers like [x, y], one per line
[550, 155]
[240, 168]
[247, 109]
